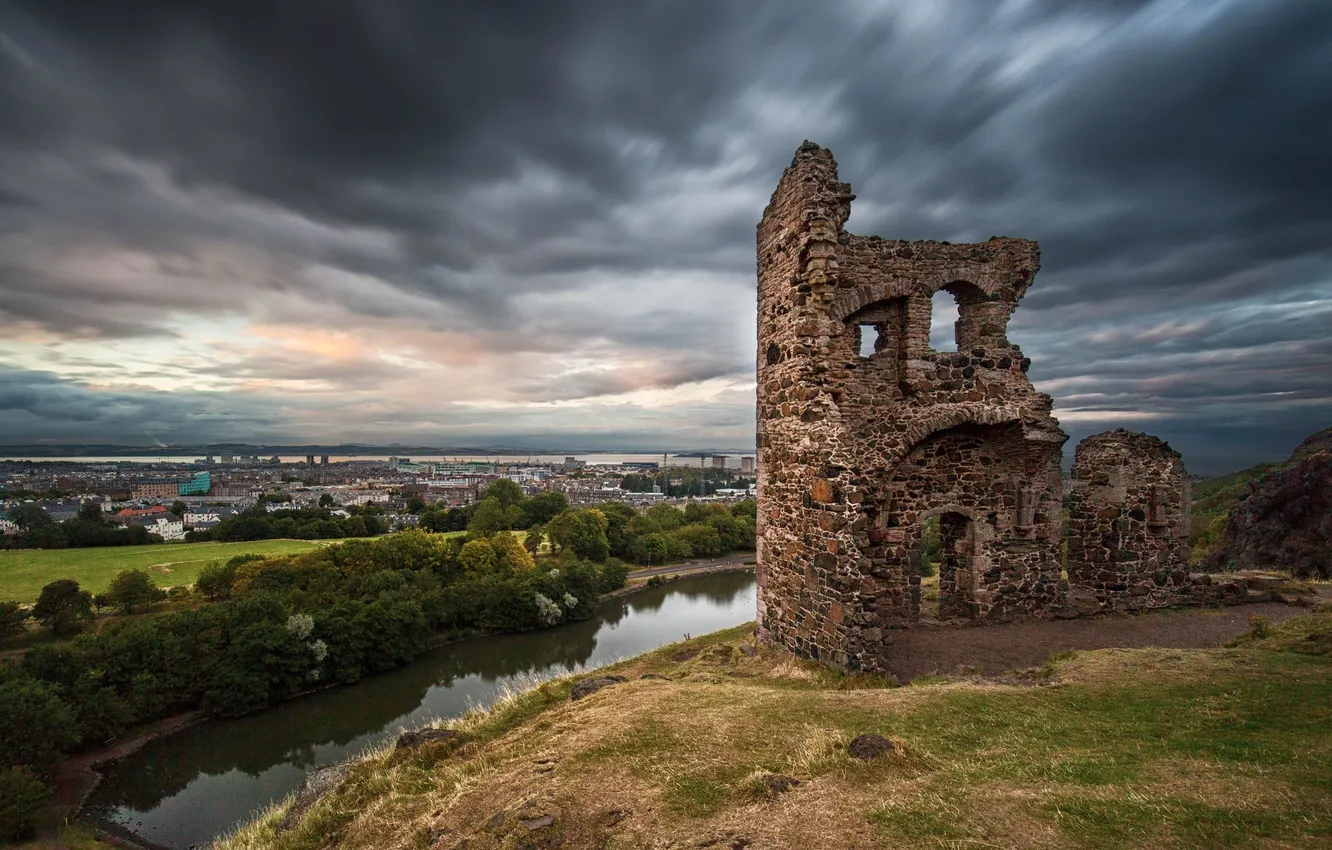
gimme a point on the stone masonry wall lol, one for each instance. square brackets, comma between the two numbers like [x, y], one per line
[855, 453]
[860, 445]
[1128, 520]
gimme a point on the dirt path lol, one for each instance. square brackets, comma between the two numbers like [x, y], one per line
[996, 649]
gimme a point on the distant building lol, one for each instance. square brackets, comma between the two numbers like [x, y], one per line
[719, 461]
[747, 465]
[156, 489]
[199, 485]
[309, 460]
[323, 460]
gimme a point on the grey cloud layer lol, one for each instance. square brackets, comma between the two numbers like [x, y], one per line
[552, 177]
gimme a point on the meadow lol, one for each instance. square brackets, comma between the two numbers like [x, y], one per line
[23, 572]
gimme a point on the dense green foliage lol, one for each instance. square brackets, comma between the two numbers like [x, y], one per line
[22, 800]
[63, 606]
[133, 587]
[88, 528]
[281, 625]
[258, 523]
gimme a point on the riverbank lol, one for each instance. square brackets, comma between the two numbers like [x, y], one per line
[77, 783]
[717, 742]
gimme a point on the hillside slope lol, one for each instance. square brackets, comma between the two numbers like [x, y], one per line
[737, 747]
[1283, 517]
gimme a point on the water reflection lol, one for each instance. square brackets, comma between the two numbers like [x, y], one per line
[194, 785]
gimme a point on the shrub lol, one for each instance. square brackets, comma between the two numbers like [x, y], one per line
[216, 580]
[62, 606]
[12, 618]
[22, 801]
[134, 587]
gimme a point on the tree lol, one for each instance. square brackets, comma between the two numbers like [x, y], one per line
[543, 507]
[511, 555]
[478, 557]
[325, 501]
[179, 508]
[582, 530]
[12, 618]
[215, 580]
[489, 517]
[415, 505]
[90, 512]
[22, 802]
[134, 587]
[29, 515]
[504, 491]
[62, 605]
[535, 536]
[36, 725]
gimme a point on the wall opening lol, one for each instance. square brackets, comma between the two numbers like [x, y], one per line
[869, 340]
[943, 321]
[957, 544]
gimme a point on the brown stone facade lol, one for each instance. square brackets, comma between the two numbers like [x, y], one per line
[1128, 520]
[860, 446]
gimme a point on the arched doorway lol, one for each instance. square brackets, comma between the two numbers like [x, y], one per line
[946, 566]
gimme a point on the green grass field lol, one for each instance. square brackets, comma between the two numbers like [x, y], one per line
[24, 572]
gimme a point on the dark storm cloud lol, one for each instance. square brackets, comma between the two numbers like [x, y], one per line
[582, 179]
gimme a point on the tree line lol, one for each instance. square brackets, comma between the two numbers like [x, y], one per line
[87, 528]
[273, 627]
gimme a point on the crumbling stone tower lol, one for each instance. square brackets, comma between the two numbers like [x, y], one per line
[1128, 522]
[856, 453]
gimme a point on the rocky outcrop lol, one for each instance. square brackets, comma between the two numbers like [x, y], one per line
[1285, 521]
[583, 687]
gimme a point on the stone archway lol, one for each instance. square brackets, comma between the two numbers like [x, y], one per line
[957, 576]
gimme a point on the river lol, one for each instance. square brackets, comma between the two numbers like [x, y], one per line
[195, 785]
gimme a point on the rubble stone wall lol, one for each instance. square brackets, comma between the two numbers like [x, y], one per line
[855, 452]
[1128, 520]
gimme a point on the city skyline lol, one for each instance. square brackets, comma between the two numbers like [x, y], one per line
[534, 227]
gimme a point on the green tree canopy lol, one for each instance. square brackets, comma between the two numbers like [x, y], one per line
[29, 515]
[12, 618]
[506, 492]
[543, 507]
[134, 587]
[62, 606]
[478, 557]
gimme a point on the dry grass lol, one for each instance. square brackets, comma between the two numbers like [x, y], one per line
[1141, 748]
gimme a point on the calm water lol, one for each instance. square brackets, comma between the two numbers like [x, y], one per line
[190, 787]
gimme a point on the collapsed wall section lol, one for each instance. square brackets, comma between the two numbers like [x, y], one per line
[1128, 520]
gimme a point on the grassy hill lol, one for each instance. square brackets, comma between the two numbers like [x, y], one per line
[23, 572]
[1106, 749]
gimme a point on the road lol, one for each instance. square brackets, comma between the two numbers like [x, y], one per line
[689, 566]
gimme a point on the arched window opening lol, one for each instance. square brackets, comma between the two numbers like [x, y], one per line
[869, 338]
[943, 321]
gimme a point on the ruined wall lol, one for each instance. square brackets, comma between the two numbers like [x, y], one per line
[1128, 520]
[860, 445]
[856, 452]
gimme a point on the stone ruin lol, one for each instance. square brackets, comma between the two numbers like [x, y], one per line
[859, 446]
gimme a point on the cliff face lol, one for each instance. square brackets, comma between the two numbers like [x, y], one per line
[1285, 522]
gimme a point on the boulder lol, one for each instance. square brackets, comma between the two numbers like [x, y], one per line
[584, 687]
[421, 737]
[868, 746]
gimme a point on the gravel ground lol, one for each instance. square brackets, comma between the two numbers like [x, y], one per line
[999, 648]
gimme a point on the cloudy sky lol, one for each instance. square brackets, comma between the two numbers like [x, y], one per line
[533, 223]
